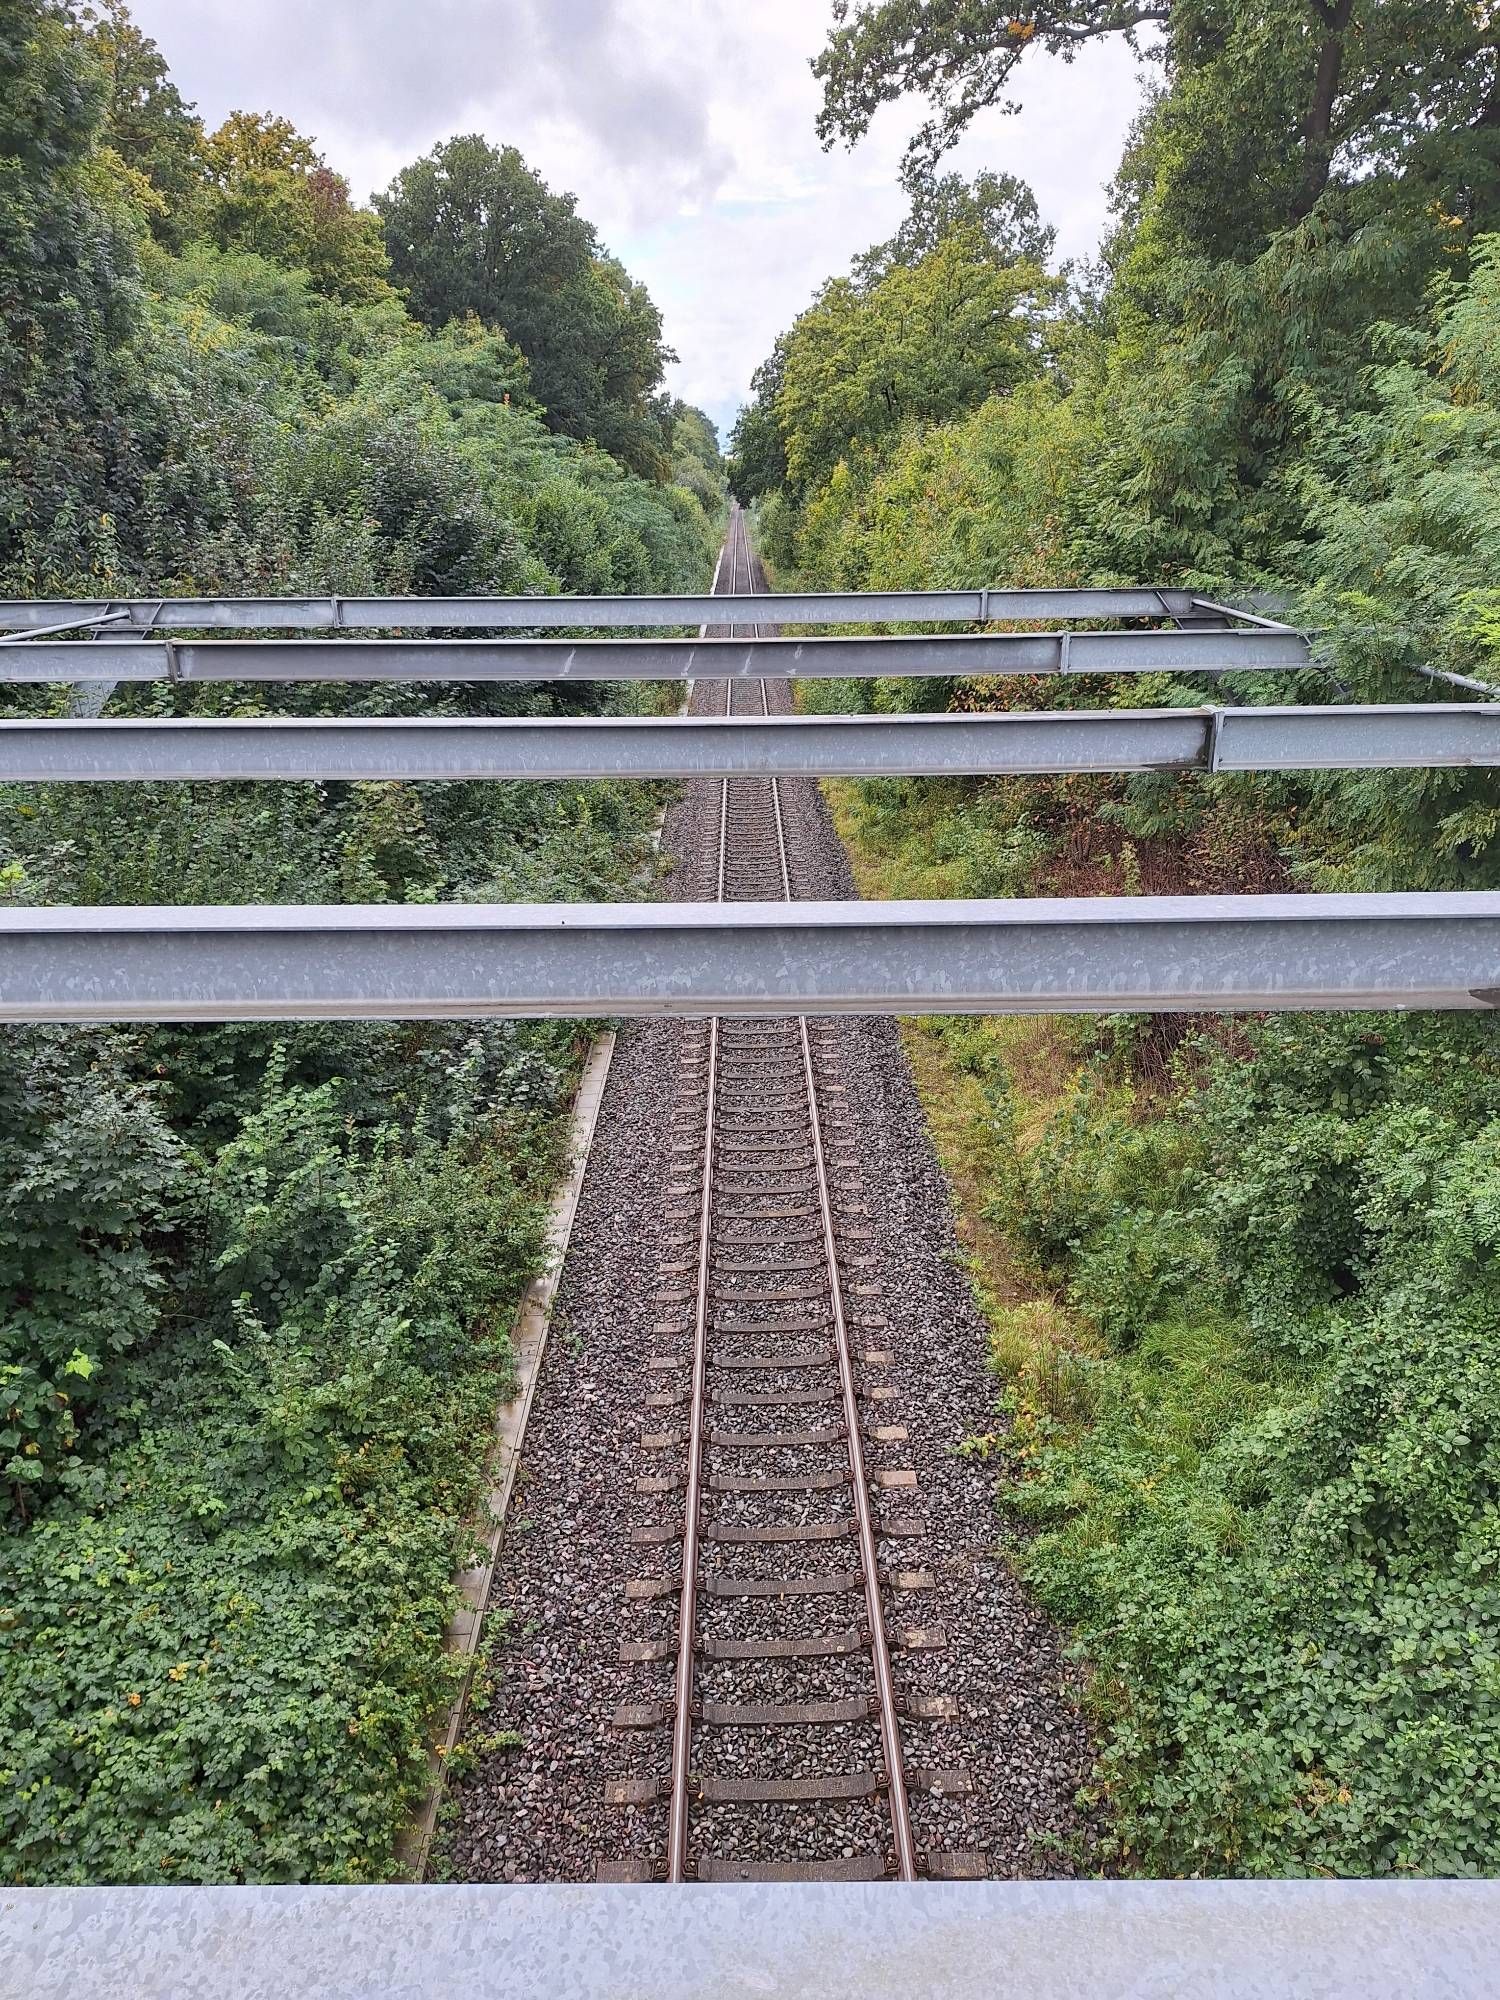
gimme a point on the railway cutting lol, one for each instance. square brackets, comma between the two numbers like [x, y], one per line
[751, 1622]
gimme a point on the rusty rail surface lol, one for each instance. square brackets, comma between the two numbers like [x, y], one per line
[767, 1226]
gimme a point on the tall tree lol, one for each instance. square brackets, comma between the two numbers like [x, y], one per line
[1305, 93]
[270, 191]
[145, 118]
[999, 209]
[471, 229]
[758, 462]
[929, 342]
[69, 299]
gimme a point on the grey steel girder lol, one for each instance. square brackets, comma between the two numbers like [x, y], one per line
[417, 614]
[652, 659]
[1082, 955]
[1425, 735]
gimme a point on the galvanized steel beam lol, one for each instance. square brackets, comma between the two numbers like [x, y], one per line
[652, 659]
[1082, 955]
[1225, 739]
[419, 614]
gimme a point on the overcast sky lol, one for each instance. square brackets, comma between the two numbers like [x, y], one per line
[684, 127]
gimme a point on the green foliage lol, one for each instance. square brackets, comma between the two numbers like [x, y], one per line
[472, 230]
[758, 464]
[69, 296]
[959, 57]
[225, 1638]
[255, 1287]
[926, 343]
[146, 122]
[268, 190]
[995, 209]
[90, 1178]
[1283, 1563]
[1271, 104]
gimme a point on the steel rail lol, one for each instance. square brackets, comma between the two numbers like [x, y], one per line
[1091, 954]
[897, 1803]
[687, 1621]
[687, 1614]
[679, 1793]
[32, 616]
[1420, 735]
[841, 658]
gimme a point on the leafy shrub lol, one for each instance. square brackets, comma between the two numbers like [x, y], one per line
[90, 1183]
[1278, 1537]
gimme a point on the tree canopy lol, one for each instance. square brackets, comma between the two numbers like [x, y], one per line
[928, 341]
[471, 229]
[1296, 95]
[998, 209]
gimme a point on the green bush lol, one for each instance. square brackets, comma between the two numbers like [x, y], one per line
[1278, 1540]
[91, 1179]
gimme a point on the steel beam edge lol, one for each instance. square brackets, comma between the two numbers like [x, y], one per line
[1286, 1940]
[339, 614]
[930, 654]
[1421, 735]
[1064, 955]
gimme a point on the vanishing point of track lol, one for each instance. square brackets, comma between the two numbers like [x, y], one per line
[786, 1760]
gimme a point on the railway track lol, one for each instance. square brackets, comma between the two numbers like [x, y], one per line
[788, 1590]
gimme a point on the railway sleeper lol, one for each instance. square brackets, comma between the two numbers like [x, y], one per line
[713, 1790]
[784, 1714]
[795, 1531]
[900, 1527]
[809, 1357]
[766, 1295]
[841, 1868]
[770, 1399]
[777, 1440]
[955, 1864]
[812, 1482]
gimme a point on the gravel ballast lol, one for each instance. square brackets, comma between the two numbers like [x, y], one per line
[536, 1810]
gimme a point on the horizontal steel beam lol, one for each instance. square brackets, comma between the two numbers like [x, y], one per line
[822, 746]
[651, 659]
[1081, 955]
[495, 614]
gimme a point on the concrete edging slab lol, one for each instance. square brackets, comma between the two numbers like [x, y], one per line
[974, 1941]
[529, 1341]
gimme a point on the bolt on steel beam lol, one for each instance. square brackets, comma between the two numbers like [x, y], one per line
[417, 614]
[654, 659]
[1078, 955]
[1421, 735]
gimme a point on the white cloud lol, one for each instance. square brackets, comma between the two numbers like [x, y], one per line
[684, 127]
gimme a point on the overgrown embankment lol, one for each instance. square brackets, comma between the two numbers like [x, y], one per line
[1244, 1295]
[1244, 1278]
[256, 1282]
